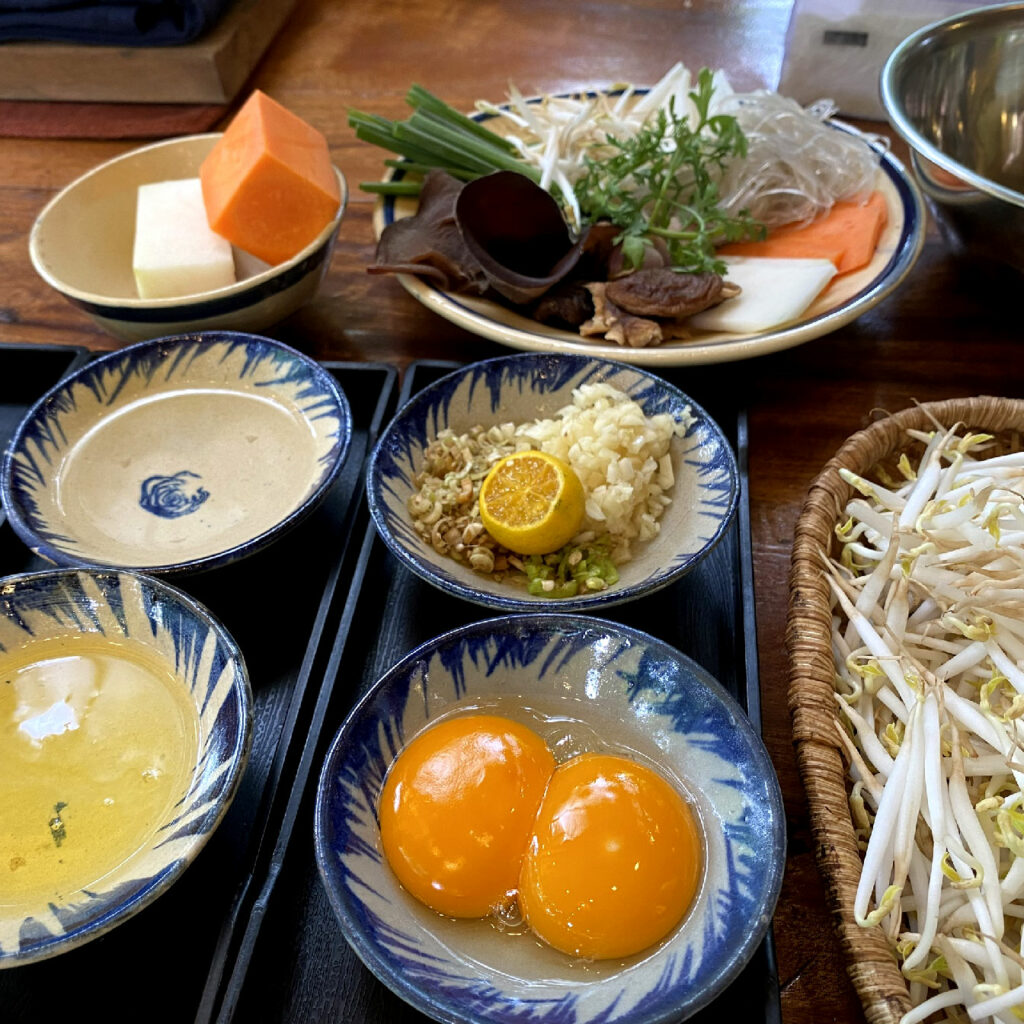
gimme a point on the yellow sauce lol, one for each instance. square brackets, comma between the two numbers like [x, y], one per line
[97, 743]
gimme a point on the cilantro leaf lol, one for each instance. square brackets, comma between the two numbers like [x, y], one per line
[661, 183]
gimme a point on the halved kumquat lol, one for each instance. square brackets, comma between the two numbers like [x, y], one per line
[532, 503]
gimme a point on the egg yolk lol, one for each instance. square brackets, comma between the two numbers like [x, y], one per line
[614, 861]
[457, 809]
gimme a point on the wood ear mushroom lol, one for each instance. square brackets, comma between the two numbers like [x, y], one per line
[517, 234]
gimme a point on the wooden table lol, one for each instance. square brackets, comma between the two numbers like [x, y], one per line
[951, 330]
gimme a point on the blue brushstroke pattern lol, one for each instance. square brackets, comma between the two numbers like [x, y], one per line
[62, 602]
[398, 453]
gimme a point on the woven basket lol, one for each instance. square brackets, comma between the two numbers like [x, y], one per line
[871, 965]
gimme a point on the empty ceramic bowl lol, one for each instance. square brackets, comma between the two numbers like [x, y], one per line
[520, 389]
[125, 726]
[583, 685]
[176, 455]
[81, 244]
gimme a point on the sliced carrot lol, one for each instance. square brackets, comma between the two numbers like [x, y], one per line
[268, 184]
[790, 247]
[847, 235]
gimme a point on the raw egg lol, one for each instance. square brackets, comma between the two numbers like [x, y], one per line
[457, 810]
[614, 861]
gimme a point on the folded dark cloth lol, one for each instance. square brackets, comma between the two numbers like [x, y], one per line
[110, 22]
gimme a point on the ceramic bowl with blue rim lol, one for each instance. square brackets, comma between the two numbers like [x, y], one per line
[125, 727]
[848, 296]
[176, 455]
[82, 243]
[521, 389]
[608, 688]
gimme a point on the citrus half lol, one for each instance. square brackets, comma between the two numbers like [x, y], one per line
[532, 503]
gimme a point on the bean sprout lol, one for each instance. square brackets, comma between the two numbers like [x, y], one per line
[796, 166]
[928, 645]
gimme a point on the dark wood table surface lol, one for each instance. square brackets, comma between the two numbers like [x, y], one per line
[952, 329]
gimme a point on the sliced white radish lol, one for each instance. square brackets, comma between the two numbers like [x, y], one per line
[775, 292]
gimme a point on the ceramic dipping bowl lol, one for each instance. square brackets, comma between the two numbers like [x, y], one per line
[522, 388]
[81, 245]
[125, 726]
[583, 684]
[175, 455]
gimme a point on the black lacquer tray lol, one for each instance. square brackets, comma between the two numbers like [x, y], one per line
[282, 605]
[291, 962]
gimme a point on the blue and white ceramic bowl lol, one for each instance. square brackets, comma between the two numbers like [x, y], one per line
[125, 726]
[81, 245]
[624, 692]
[520, 389]
[177, 454]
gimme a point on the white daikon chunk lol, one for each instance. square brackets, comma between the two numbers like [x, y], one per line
[775, 292]
[247, 265]
[176, 252]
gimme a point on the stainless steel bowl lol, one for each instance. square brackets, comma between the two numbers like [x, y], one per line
[954, 90]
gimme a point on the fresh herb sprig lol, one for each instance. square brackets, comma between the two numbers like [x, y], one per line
[661, 183]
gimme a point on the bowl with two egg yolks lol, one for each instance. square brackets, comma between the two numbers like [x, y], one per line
[550, 810]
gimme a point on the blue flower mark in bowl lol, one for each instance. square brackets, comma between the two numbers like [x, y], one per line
[630, 692]
[172, 496]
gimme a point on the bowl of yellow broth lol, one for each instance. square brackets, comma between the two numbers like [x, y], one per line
[125, 726]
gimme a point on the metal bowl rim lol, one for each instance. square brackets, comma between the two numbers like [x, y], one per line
[897, 61]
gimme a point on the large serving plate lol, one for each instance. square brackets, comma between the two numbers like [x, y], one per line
[846, 298]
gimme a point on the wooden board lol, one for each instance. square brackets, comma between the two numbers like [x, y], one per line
[210, 70]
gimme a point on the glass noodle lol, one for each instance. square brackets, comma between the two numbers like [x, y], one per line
[796, 166]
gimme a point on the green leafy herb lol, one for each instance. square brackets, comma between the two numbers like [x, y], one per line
[661, 183]
[58, 831]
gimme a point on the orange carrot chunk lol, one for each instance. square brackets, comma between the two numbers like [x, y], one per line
[268, 184]
[847, 235]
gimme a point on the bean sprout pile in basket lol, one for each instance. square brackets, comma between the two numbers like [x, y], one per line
[928, 645]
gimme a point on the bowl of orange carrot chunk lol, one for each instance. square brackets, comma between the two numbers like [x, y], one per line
[228, 230]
